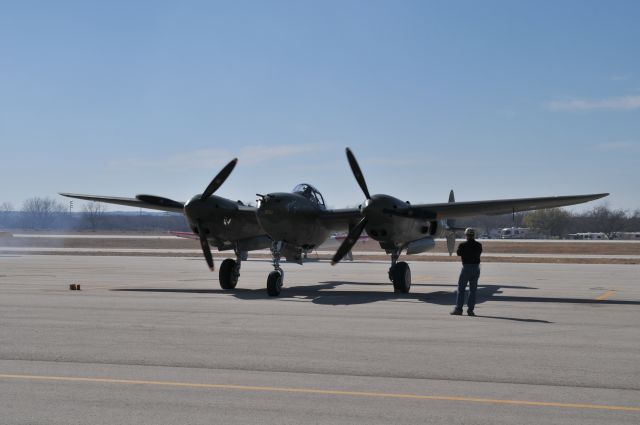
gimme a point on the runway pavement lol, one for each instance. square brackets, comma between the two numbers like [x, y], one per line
[154, 340]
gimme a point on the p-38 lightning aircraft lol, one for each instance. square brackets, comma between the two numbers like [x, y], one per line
[292, 223]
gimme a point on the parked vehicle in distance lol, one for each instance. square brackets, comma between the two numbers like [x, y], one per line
[588, 236]
[634, 236]
[518, 233]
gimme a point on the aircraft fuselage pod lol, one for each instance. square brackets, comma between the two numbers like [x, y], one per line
[223, 223]
[389, 222]
[292, 219]
[296, 222]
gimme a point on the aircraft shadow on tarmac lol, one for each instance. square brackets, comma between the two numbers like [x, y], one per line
[327, 293]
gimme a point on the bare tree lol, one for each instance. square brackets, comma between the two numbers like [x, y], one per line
[602, 219]
[6, 215]
[93, 213]
[552, 221]
[40, 213]
[633, 224]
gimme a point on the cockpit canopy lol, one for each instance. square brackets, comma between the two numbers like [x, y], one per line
[310, 193]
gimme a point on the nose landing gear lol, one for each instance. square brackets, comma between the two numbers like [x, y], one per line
[276, 277]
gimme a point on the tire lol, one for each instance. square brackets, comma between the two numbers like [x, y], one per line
[227, 275]
[401, 278]
[274, 283]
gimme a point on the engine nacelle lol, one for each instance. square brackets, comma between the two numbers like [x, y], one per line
[421, 245]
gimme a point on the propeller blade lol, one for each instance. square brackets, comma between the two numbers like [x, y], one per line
[451, 228]
[204, 243]
[349, 241]
[451, 223]
[355, 168]
[219, 179]
[451, 241]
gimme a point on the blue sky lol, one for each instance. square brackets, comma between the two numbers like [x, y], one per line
[493, 99]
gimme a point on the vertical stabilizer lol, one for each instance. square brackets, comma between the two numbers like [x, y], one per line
[451, 228]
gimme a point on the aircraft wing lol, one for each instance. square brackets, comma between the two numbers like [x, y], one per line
[340, 219]
[492, 207]
[143, 201]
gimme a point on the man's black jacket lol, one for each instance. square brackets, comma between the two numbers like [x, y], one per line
[470, 251]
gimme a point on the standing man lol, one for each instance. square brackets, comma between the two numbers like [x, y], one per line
[470, 252]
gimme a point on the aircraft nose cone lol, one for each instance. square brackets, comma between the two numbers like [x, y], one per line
[192, 206]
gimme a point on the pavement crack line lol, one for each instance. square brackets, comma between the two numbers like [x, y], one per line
[411, 377]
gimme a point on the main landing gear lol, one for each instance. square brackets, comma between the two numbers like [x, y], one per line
[399, 274]
[230, 271]
[276, 277]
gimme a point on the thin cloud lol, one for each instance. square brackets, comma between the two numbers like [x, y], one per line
[204, 158]
[261, 153]
[619, 77]
[395, 162]
[210, 158]
[624, 103]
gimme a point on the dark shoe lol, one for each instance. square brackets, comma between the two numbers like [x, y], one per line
[456, 312]
[470, 313]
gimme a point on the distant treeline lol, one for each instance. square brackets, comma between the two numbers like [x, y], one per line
[558, 222]
[50, 214]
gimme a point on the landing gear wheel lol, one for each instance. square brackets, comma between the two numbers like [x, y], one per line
[401, 278]
[274, 283]
[228, 275]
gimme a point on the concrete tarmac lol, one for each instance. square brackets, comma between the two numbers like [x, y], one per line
[154, 340]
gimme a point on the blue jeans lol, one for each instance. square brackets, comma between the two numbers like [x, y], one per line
[470, 273]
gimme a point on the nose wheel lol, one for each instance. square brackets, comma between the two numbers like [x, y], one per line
[276, 277]
[274, 283]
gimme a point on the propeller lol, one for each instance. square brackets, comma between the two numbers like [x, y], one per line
[193, 208]
[356, 231]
